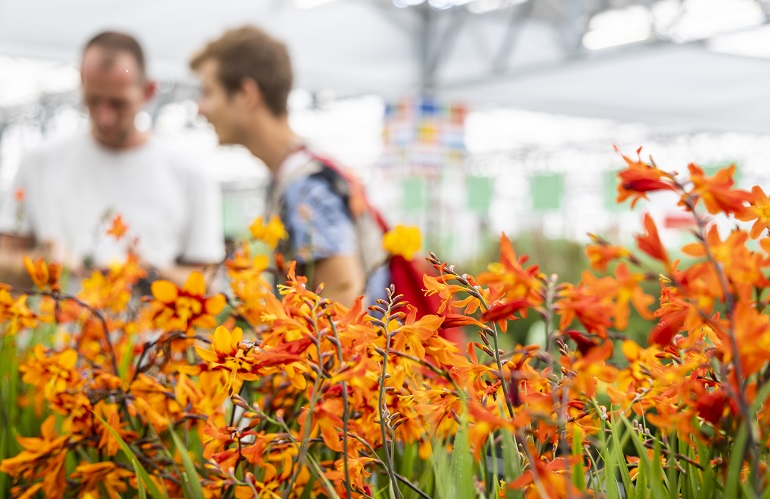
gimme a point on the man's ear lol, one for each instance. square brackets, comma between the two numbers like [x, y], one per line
[150, 89]
[252, 95]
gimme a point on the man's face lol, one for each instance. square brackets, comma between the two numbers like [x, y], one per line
[114, 92]
[219, 107]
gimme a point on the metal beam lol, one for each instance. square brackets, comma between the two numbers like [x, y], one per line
[517, 18]
[437, 46]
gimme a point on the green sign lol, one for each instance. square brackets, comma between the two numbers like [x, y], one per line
[479, 192]
[547, 191]
[415, 195]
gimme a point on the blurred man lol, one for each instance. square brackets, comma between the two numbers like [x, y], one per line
[67, 192]
[246, 77]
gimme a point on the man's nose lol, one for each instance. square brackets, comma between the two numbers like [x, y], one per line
[104, 116]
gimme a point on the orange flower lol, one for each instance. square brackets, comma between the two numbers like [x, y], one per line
[18, 195]
[520, 286]
[42, 458]
[510, 274]
[759, 211]
[356, 469]
[640, 178]
[185, 308]
[154, 402]
[592, 310]
[94, 476]
[751, 335]
[117, 228]
[441, 287]
[549, 476]
[592, 367]
[502, 310]
[741, 266]
[673, 312]
[484, 423]
[411, 337]
[16, 313]
[226, 354]
[650, 241]
[717, 192]
[44, 275]
[619, 291]
[600, 255]
[51, 372]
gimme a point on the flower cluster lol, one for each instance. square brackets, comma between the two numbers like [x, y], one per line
[188, 393]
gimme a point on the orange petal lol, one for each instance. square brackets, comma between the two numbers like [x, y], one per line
[215, 304]
[164, 291]
[195, 284]
[206, 355]
[236, 337]
[222, 340]
[68, 359]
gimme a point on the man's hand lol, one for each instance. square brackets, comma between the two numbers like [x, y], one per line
[343, 277]
[179, 273]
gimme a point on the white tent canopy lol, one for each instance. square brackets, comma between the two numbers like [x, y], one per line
[528, 55]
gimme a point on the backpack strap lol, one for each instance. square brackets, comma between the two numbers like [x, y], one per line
[349, 188]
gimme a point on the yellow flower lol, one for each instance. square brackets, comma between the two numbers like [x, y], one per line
[187, 307]
[225, 344]
[269, 233]
[16, 313]
[226, 354]
[403, 241]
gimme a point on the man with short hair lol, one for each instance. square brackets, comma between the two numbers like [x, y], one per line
[246, 77]
[69, 190]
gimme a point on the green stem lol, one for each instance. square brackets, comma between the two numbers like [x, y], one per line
[346, 413]
[382, 408]
[304, 443]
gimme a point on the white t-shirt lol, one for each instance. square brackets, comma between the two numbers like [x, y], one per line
[73, 188]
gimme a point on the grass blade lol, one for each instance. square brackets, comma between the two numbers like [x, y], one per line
[190, 476]
[461, 466]
[733, 480]
[141, 473]
[511, 462]
[620, 460]
[578, 475]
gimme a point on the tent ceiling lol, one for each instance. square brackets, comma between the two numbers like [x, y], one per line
[526, 56]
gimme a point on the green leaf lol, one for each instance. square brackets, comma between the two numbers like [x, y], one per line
[689, 485]
[139, 484]
[610, 480]
[657, 477]
[461, 466]
[440, 464]
[709, 482]
[760, 398]
[141, 473]
[322, 477]
[308, 488]
[578, 475]
[748, 490]
[190, 476]
[128, 357]
[620, 461]
[511, 462]
[733, 480]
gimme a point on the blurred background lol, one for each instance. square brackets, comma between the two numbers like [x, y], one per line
[465, 117]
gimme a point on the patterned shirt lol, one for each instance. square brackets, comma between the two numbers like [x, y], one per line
[320, 225]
